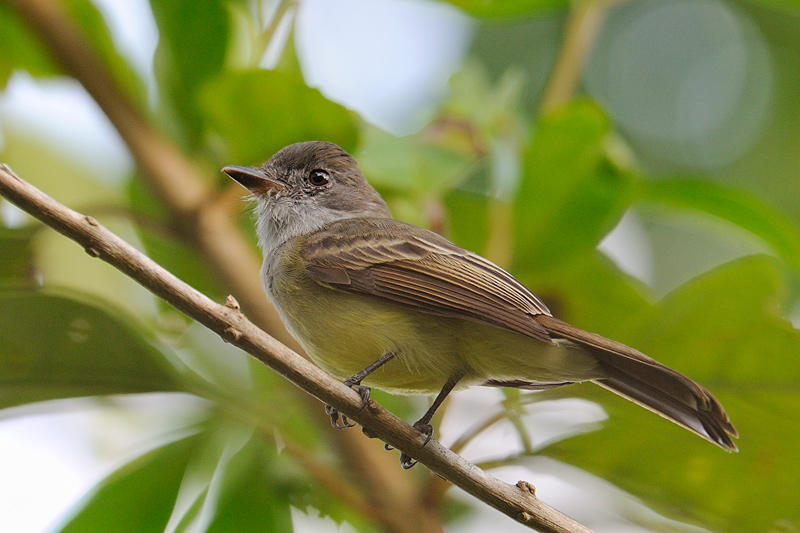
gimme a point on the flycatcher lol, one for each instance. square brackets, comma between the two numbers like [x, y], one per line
[405, 310]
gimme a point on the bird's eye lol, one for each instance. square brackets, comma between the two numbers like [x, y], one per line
[318, 178]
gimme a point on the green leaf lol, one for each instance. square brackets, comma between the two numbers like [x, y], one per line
[193, 42]
[16, 255]
[468, 218]
[27, 52]
[570, 195]
[137, 498]
[507, 8]
[97, 33]
[164, 246]
[61, 262]
[259, 112]
[410, 164]
[60, 345]
[590, 292]
[230, 484]
[250, 496]
[725, 330]
[792, 6]
[734, 206]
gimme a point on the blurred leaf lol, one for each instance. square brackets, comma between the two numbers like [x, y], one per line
[526, 45]
[229, 486]
[59, 261]
[94, 28]
[250, 496]
[27, 53]
[137, 498]
[259, 112]
[591, 292]
[16, 254]
[193, 41]
[410, 164]
[507, 8]
[570, 195]
[468, 218]
[164, 246]
[53, 345]
[737, 207]
[730, 335]
[789, 5]
[484, 108]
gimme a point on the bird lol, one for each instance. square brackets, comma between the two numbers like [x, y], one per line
[377, 302]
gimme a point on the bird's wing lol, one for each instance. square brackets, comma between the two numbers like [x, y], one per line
[420, 269]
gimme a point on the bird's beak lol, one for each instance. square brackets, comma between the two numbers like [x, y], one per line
[253, 179]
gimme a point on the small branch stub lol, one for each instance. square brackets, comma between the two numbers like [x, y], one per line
[527, 487]
[231, 334]
[231, 303]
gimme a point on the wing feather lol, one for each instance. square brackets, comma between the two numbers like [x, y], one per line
[420, 269]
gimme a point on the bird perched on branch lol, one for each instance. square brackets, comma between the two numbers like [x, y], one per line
[380, 303]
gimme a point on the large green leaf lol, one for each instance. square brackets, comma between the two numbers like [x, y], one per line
[246, 107]
[233, 486]
[591, 292]
[16, 255]
[735, 206]
[193, 42]
[570, 195]
[507, 8]
[60, 345]
[725, 330]
[137, 498]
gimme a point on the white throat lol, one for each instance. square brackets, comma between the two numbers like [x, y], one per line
[280, 219]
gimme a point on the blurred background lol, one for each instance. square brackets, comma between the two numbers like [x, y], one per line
[635, 163]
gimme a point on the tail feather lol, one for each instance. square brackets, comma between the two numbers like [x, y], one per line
[643, 380]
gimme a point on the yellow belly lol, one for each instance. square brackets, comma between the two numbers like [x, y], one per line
[343, 333]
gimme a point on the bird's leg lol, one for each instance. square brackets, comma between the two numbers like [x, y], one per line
[423, 424]
[354, 382]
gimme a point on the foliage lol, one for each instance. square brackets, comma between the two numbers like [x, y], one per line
[537, 194]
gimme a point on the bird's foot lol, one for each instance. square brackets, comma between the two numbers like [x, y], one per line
[426, 429]
[340, 421]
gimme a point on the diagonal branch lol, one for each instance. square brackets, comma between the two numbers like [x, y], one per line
[228, 322]
[203, 218]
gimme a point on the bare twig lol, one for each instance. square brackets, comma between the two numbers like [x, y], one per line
[583, 24]
[233, 327]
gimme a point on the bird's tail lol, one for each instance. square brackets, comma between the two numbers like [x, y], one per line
[645, 381]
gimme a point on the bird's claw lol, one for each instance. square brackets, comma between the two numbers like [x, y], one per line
[336, 416]
[406, 461]
[362, 391]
